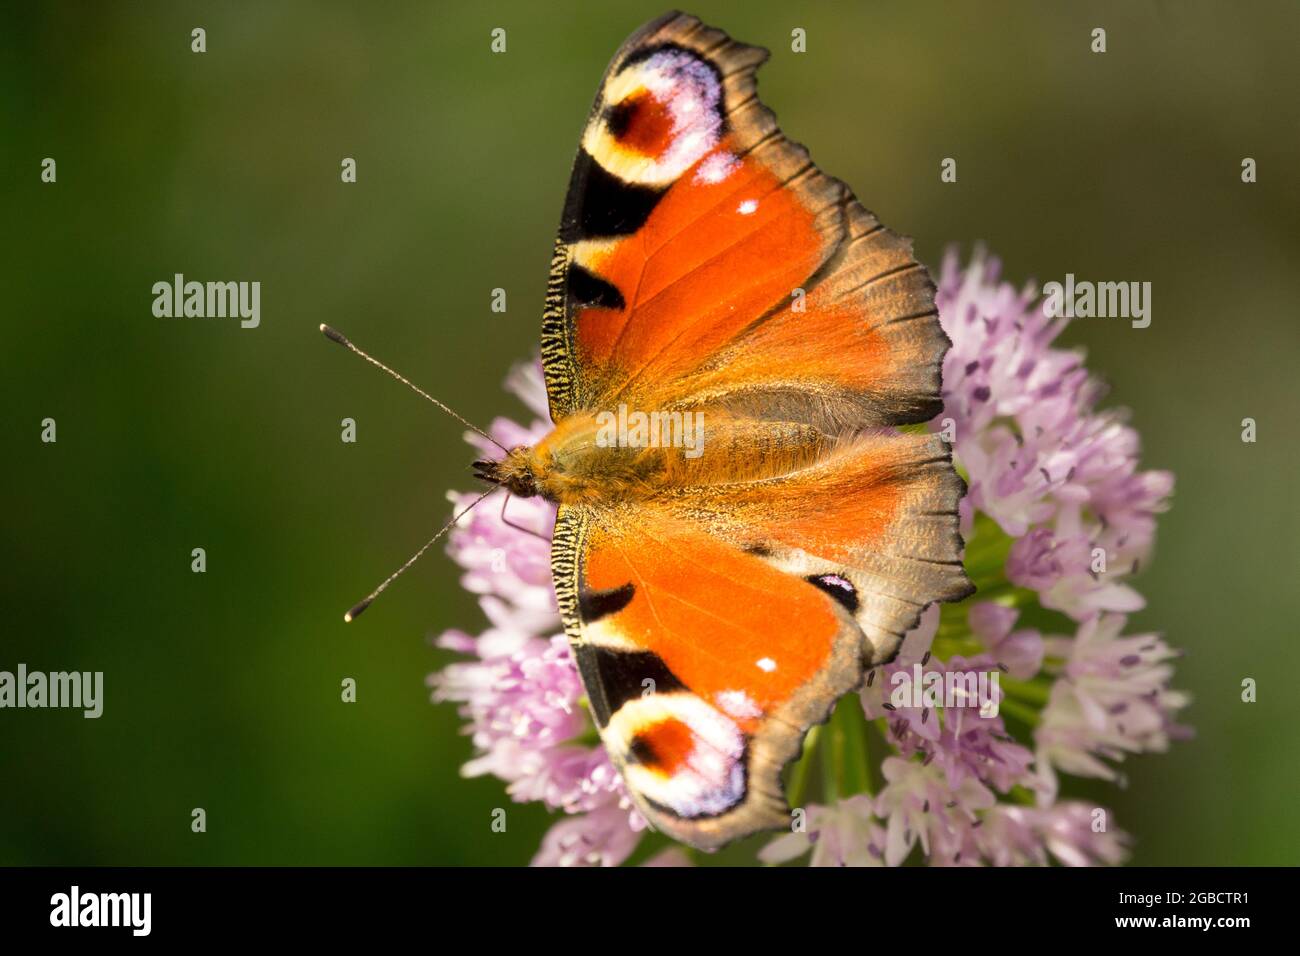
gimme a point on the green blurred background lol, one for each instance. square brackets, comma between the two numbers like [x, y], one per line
[222, 689]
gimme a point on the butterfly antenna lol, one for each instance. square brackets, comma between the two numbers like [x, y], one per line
[356, 610]
[334, 335]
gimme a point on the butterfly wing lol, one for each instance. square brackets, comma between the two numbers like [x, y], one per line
[704, 665]
[703, 258]
[873, 523]
[714, 629]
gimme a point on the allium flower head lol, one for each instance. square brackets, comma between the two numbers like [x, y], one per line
[1058, 519]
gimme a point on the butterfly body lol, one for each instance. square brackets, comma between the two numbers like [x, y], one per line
[731, 564]
[576, 464]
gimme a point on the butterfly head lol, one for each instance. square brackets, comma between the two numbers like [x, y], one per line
[515, 472]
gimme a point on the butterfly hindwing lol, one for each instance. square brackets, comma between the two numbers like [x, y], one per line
[713, 631]
[704, 665]
[873, 521]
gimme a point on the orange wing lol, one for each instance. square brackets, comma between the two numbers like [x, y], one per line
[712, 629]
[703, 258]
[875, 520]
[704, 665]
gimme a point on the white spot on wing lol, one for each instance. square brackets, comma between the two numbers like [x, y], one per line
[766, 664]
[747, 207]
[716, 168]
[738, 704]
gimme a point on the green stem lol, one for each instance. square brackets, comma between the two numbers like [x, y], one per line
[1032, 692]
[1022, 712]
[799, 777]
[845, 760]
[857, 773]
[833, 760]
[1023, 796]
